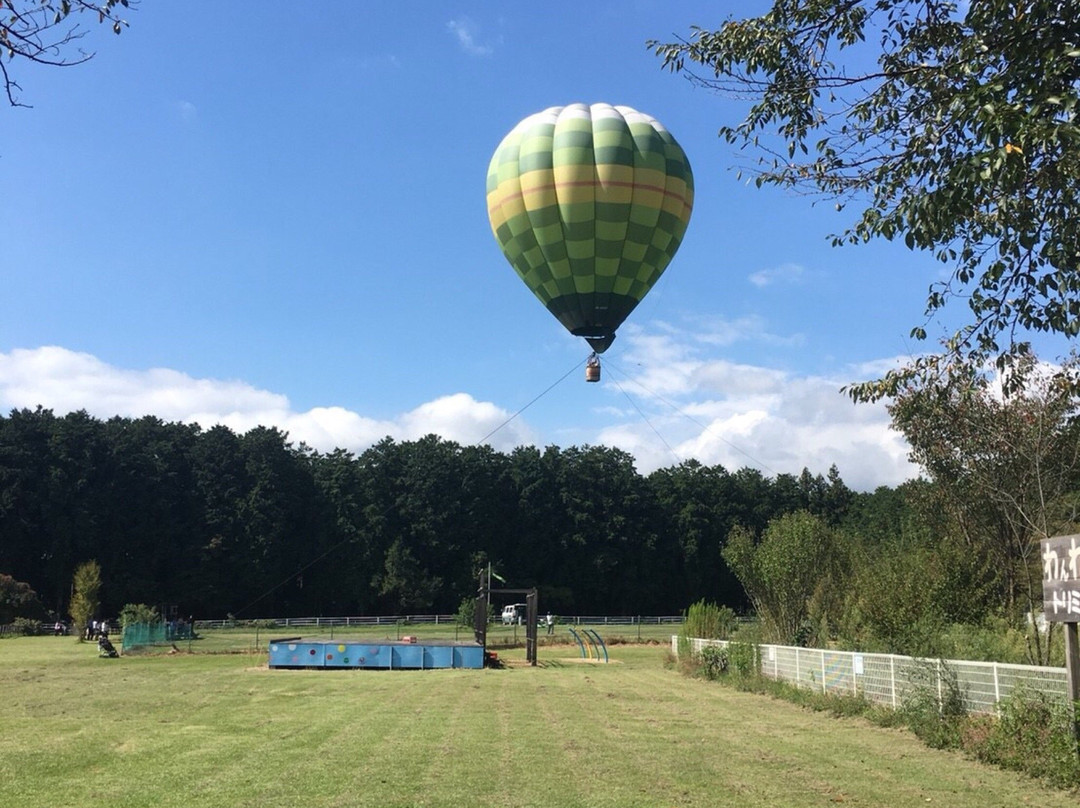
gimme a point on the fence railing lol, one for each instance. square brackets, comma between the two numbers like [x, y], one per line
[890, 679]
[437, 619]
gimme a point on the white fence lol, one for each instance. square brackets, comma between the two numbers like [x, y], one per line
[890, 679]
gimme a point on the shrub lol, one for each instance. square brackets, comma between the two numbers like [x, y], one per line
[138, 613]
[26, 626]
[708, 621]
[1033, 735]
[934, 708]
[745, 658]
[993, 640]
[466, 613]
[714, 661]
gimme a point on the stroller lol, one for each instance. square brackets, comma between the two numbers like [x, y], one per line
[105, 648]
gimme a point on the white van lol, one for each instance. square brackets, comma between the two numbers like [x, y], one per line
[514, 613]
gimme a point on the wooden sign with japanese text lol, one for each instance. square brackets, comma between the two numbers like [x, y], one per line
[1061, 579]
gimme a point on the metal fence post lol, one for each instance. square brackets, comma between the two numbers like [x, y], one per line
[892, 678]
[940, 700]
[824, 689]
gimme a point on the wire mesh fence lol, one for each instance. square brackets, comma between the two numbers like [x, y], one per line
[890, 679]
[143, 635]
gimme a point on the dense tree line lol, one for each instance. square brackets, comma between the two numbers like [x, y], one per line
[213, 522]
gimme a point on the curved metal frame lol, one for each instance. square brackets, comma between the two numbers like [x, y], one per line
[599, 643]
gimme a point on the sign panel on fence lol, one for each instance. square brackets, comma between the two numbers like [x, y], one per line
[1061, 578]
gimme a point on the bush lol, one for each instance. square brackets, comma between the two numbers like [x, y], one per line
[708, 621]
[745, 658]
[26, 626]
[714, 661]
[466, 613]
[934, 709]
[1032, 735]
[138, 613]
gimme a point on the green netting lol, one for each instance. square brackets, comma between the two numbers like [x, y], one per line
[139, 635]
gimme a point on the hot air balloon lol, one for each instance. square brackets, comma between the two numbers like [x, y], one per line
[589, 205]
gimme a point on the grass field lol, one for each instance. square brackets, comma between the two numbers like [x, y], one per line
[221, 730]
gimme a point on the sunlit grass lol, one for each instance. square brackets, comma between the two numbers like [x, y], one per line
[222, 730]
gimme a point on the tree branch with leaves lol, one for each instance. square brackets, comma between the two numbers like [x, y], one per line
[45, 32]
[956, 132]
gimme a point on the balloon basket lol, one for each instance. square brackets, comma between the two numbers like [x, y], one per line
[592, 369]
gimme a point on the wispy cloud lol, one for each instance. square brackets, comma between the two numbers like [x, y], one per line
[785, 274]
[465, 31]
[721, 332]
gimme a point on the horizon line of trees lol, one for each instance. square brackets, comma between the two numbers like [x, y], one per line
[214, 524]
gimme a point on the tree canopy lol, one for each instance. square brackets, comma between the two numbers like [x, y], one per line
[955, 128]
[1005, 470]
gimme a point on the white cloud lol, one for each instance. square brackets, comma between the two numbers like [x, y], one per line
[785, 273]
[695, 406]
[464, 30]
[723, 412]
[65, 381]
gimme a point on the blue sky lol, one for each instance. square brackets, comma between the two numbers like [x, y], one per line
[250, 214]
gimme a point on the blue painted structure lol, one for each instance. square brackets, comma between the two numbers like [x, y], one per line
[380, 654]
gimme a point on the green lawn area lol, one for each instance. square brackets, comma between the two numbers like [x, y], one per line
[198, 730]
